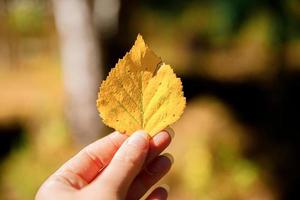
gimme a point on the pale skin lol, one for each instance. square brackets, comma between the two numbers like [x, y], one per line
[116, 167]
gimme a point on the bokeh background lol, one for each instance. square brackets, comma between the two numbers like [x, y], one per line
[239, 61]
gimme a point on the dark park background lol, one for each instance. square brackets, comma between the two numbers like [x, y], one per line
[239, 61]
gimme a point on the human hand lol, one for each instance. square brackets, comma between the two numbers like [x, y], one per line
[116, 167]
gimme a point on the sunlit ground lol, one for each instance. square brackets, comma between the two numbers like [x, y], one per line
[209, 163]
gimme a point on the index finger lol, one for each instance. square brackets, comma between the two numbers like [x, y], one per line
[159, 143]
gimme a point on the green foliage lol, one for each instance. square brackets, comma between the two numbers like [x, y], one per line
[26, 17]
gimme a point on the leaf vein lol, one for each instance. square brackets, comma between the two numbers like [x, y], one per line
[127, 93]
[124, 108]
[159, 107]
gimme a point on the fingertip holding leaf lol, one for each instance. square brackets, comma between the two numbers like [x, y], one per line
[140, 93]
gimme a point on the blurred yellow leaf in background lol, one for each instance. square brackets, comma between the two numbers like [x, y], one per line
[141, 93]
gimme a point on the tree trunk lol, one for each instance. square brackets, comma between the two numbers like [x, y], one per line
[82, 68]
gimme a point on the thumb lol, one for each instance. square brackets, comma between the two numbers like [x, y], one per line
[126, 163]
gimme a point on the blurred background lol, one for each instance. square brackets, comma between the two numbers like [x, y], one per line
[239, 61]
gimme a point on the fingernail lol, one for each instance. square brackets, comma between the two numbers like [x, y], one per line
[169, 156]
[170, 131]
[139, 139]
[161, 138]
[166, 187]
[160, 165]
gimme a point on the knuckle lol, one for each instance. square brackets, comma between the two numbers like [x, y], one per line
[94, 158]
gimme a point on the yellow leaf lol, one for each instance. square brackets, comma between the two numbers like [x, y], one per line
[140, 93]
